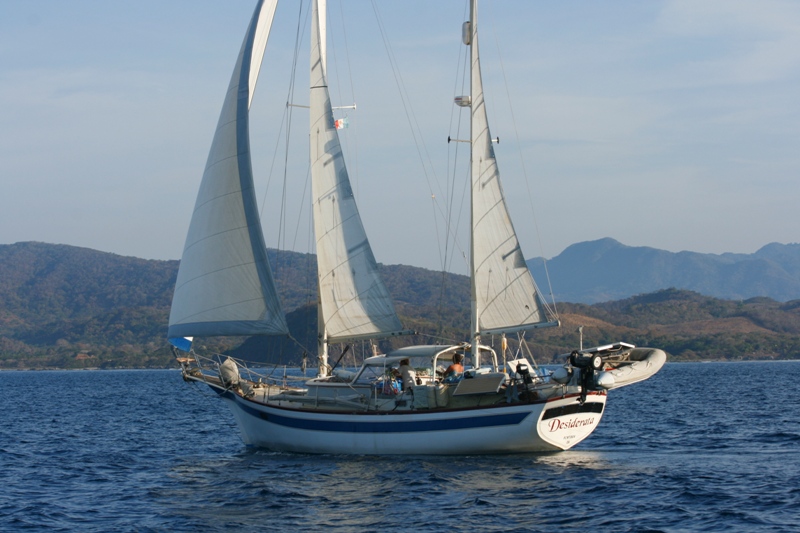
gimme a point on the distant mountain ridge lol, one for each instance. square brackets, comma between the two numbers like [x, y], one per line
[605, 270]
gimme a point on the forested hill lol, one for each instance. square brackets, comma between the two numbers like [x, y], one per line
[68, 307]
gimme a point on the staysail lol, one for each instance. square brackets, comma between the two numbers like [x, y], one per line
[225, 284]
[354, 301]
[505, 297]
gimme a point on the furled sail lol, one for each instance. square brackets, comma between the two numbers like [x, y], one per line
[225, 284]
[354, 300]
[504, 292]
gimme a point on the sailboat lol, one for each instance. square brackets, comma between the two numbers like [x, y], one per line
[462, 398]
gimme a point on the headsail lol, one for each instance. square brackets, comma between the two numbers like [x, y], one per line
[355, 303]
[504, 294]
[225, 284]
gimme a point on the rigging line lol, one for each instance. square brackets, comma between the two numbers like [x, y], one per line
[443, 284]
[448, 198]
[416, 131]
[464, 201]
[461, 63]
[403, 97]
[352, 94]
[408, 109]
[299, 344]
[344, 135]
[446, 256]
[332, 42]
[272, 165]
[285, 119]
[311, 264]
[451, 230]
[300, 31]
[306, 182]
[302, 207]
[449, 340]
[524, 170]
[524, 343]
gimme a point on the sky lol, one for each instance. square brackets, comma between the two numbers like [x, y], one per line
[669, 124]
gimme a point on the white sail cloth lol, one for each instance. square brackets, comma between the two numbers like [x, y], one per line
[225, 285]
[355, 302]
[504, 292]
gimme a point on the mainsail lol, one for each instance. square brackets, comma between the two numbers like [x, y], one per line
[225, 284]
[505, 297]
[354, 301]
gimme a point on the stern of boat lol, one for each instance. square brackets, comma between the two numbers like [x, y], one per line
[565, 422]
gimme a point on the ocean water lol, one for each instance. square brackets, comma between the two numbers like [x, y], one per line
[699, 447]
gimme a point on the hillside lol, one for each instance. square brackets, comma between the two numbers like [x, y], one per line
[604, 270]
[68, 307]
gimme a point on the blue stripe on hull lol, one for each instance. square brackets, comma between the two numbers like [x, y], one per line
[373, 426]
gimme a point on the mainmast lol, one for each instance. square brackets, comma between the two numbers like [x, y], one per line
[319, 79]
[470, 36]
[354, 303]
[504, 297]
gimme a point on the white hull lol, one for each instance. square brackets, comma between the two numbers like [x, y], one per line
[497, 429]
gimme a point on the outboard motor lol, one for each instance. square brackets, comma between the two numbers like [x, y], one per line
[582, 360]
[525, 373]
[589, 364]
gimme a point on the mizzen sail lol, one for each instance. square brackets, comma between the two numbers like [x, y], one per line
[225, 285]
[504, 293]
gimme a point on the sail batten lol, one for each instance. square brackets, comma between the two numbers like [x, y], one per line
[225, 285]
[354, 300]
[521, 327]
